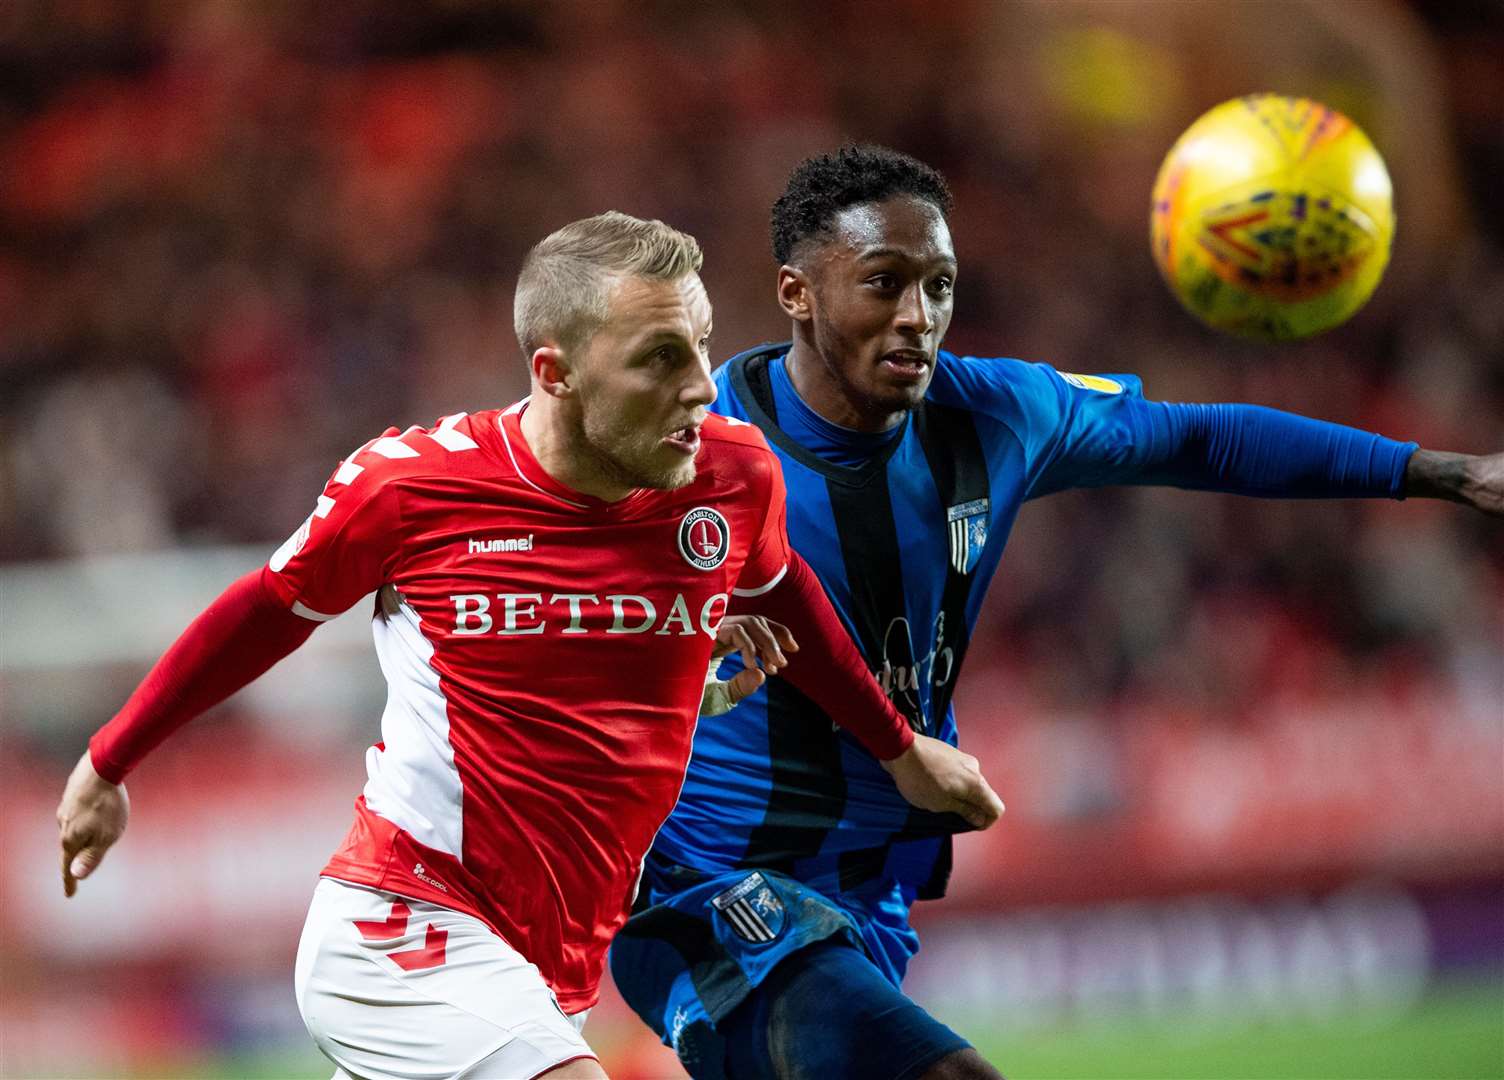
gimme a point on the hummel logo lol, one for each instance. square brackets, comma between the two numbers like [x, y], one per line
[421, 876]
[511, 543]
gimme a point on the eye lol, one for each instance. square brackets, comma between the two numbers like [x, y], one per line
[942, 286]
[884, 282]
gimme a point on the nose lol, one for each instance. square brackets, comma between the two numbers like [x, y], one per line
[914, 311]
[698, 390]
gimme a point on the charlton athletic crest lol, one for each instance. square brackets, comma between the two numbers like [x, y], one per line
[751, 909]
[704, 538]
[968, 533]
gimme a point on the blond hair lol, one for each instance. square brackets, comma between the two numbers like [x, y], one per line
[564, 289]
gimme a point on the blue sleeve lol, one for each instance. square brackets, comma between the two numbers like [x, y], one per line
[1092, 430]
[1251, 450]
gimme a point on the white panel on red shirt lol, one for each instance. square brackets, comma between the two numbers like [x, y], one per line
[544, 652]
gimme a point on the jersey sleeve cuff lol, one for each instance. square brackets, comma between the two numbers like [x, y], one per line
[766, 587]
[108, 770]
[893, 745]
[1400, 455]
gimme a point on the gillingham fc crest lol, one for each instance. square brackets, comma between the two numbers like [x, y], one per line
[704, 538]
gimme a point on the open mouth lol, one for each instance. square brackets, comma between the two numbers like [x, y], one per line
[686, 439]
[906, 364]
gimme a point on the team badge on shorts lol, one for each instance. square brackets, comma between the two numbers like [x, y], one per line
[752, 909]
[704, 538]
[968, 533]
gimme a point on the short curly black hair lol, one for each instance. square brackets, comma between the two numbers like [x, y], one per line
[820, 187]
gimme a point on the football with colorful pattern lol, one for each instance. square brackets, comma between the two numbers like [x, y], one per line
[1272, 218]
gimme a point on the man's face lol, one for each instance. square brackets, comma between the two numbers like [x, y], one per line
[644, 383]
[880, 294]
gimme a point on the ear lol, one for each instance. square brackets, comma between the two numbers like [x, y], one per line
[552, 372]
[795, 293]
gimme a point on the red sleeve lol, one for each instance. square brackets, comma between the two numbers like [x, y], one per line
[769, 558]
[827, 669]
[237, 638]
[346, 547]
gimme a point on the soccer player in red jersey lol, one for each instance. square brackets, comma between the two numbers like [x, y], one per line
[551, 580]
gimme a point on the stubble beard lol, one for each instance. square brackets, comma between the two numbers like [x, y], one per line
[628, 456]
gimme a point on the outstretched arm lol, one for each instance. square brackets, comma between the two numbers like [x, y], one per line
[1470, 479]
[1253, 450]
[1094, 431]
[237, 638]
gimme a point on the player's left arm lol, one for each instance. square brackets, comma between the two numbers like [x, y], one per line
[1090, 431]
[1252, 450]
[1471, 479]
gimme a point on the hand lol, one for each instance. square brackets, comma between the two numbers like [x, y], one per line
[90, 819]
[933, 775]
[757, 639]
[1471, 479]
[1484, 488]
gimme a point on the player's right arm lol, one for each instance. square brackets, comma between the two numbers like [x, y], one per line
[341, 553]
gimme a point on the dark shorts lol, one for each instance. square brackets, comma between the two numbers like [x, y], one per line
[826, 1012]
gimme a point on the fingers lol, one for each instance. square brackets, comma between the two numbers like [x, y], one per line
[85, 862]
[744, 684]
[784, 635]
[70, 883]
[720, 696]
[758, 640]
[766, 644]
[79, 860]
[745, 643]
[984, 807]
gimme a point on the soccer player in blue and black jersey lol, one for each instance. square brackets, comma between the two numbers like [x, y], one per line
[772, 929]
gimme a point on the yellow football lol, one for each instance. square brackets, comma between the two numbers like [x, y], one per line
[1272, 218]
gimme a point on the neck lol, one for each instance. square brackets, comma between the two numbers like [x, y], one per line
[817, 384]
[558, 448]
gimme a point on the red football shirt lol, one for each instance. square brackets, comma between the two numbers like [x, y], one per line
[545, 654]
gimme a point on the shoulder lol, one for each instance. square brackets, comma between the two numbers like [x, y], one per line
[731, 378]
[735, 452]
[975, 381]
[450, 445]
[1005, 388]
[732, 436]
[374, 479]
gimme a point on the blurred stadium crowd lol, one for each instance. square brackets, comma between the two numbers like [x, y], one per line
[243, 238]
[239, 239]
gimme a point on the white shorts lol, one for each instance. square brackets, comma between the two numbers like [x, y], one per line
[393, 987]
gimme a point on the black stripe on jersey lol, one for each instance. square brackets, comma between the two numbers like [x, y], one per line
[870, 550]
[802, 746]
[860, 865]
[749, 378]
[807, 796]
[959, 468]
[717, 978]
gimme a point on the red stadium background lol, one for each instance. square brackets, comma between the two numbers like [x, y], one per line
[1252, 751]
